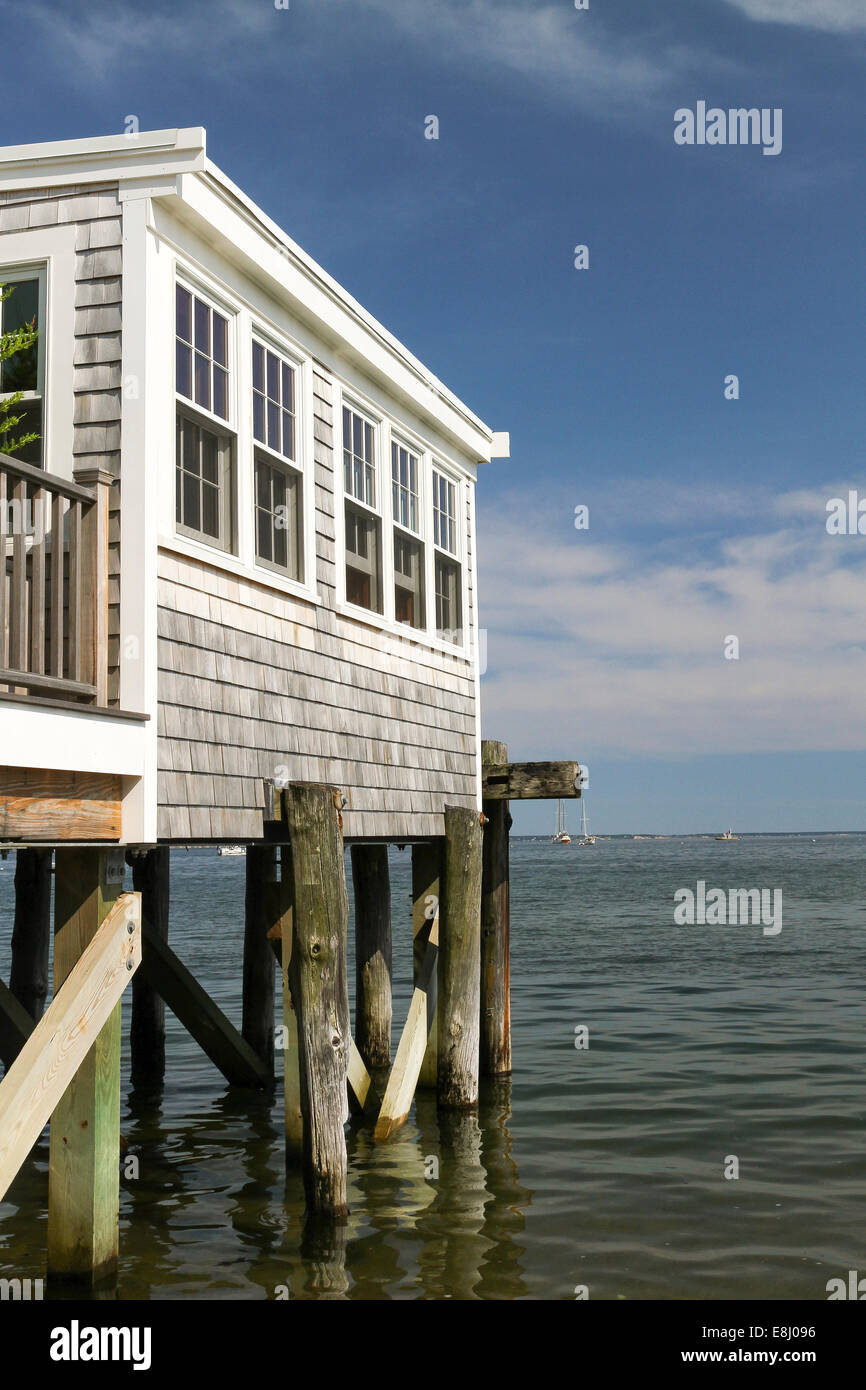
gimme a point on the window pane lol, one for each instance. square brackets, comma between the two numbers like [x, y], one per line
[20, 310]
[263, 486]
[258, 367]
[191, 509]
[184, 314]
[448, 616]
[363, 560]
[259, 417]
[220, 393]
[183, 369]
[202, 326]
[273, 377]
[210, 510]
[209, 457]
[288, 435]
[202, 381]
[220, 340]
[408, 581]
[288, 388]
[273, 425]
[263, 537]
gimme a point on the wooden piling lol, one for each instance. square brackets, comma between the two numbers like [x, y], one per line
[291, 1057]
[84, 1166]
[319, 987]
[151, 877]
[458, 1008]
[259, 964]
[426, 887]
[372, 887]
[495, 1043]
[31, 932]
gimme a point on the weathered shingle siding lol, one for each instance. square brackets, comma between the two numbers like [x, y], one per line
[96, 351]
[255, 684]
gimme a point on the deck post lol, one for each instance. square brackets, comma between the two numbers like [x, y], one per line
[426, 887]
[319, 987]
[495, 929]
[460, 961]
[84, 1165]
[31, 933]
[372, 887]
[151, 874]
[259, 964]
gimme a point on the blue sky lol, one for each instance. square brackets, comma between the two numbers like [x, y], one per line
[707, 516]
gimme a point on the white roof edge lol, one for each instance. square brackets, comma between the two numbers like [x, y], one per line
[160, 153]
[107, 157]
[333, 287]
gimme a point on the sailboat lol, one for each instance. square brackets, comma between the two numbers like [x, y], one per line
[585, 837]
[562, 836]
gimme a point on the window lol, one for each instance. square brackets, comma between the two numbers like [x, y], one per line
[359, 465]
[278, 488]
[449, 621]
[23, 308]
[363, 524]
[408, 549]
[204, 460]
[202, 363]
[278, 518]
[273, 401]
[203, 482]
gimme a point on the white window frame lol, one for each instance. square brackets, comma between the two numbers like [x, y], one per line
[349, 395]
[229, 542]
[18, 272]
[458, 555]
[381, 512]
[300, 465]
[397, 439]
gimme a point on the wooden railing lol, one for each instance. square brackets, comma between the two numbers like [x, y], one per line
[53, 583]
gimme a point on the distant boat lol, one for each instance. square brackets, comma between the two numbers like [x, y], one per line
[728, 835]
[232, 849]
[562, 836]
[585, 837]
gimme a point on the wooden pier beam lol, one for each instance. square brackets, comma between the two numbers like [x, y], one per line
[372, 887]
[31, 933]
[151, 878]
[319, 988]
[460, 961]
[426, 887]
[495, 1044]
[259, 964]
[84, 1163]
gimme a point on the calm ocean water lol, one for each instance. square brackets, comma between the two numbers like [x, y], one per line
[601, 1167]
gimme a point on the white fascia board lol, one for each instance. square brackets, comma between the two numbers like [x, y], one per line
[150, 154]
[71, 742]
[226, 216]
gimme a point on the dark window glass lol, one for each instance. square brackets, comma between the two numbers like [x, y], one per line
[448, 616]
[363, 559]
[278, 517]
[408, 580]
[184, 314]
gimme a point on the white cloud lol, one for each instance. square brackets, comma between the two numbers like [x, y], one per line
[552, 45]
[838, 16]
[618, 647]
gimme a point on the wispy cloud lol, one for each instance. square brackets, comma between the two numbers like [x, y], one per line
[619, 646]
[837, 16]
[559, 50]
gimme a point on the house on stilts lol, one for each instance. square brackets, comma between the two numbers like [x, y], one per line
[238, 603]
